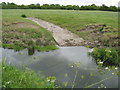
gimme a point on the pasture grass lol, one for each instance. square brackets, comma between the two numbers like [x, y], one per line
[70, 19]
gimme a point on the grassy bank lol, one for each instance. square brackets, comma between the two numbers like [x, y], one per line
[86, 24]
[18, 32]
[13, 78]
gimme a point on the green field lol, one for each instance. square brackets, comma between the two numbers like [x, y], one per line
[70, 19]
[79, 22]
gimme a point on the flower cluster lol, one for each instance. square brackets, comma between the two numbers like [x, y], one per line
[102, 86]
[91, 50]
[51, 79]
[75, 65]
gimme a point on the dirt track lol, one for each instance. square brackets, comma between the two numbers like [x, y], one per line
[62, 36]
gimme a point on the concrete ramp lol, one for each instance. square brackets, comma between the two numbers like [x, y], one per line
[62, 36]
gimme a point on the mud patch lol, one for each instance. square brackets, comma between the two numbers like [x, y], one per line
[21, 33]
[91, 27]
[21, 25]
[100, 35]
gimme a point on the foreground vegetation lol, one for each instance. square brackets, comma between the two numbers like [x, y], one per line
[14, 78]
[107, 56]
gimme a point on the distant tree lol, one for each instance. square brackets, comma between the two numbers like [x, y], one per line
[23, 7]
[69, 7]
[76, 7]
[104, 7]
[12, 6]
[45, 6]
[82, 8]
[38, 6]
[85, 7]
[9, 5]
[57, 6]
[62, 7]
[90, 7]
[54, 6]
[4, 5]
[94, 7]
[32, 6]
[119, 9]
[112, 8]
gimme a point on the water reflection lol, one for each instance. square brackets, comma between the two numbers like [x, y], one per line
[31, 51]
[56, 63]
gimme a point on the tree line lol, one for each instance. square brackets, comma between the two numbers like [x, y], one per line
[57, 6]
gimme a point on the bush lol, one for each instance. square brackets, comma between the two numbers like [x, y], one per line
[23, 15]
[106, 55]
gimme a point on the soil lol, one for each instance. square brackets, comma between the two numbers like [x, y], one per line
[21, 25]
[107, 37]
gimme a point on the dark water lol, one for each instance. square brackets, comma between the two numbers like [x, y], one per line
[56, 63]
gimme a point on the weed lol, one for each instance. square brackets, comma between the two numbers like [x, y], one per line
[14, 78]
[75, 66]
[23, 15]
[106, 55]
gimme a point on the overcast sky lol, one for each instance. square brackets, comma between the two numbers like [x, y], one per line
[65, 2]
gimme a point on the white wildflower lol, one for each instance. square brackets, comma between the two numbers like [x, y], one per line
[106, 68]
[91, 50]
[116, 68]
[48, 80]
[8, 82]
[3, 67]
[53, 81]
[109, 51]
[113, 73]
[101, 62]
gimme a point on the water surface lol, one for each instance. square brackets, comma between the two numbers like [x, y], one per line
[56, 63]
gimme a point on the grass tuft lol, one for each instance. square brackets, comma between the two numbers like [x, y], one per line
[23, 15]
[14, 78]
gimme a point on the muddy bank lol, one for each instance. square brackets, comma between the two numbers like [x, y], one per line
[62, 36]
[100, 35]
[20, 35]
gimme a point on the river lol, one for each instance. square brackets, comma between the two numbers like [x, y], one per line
[56, 63]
